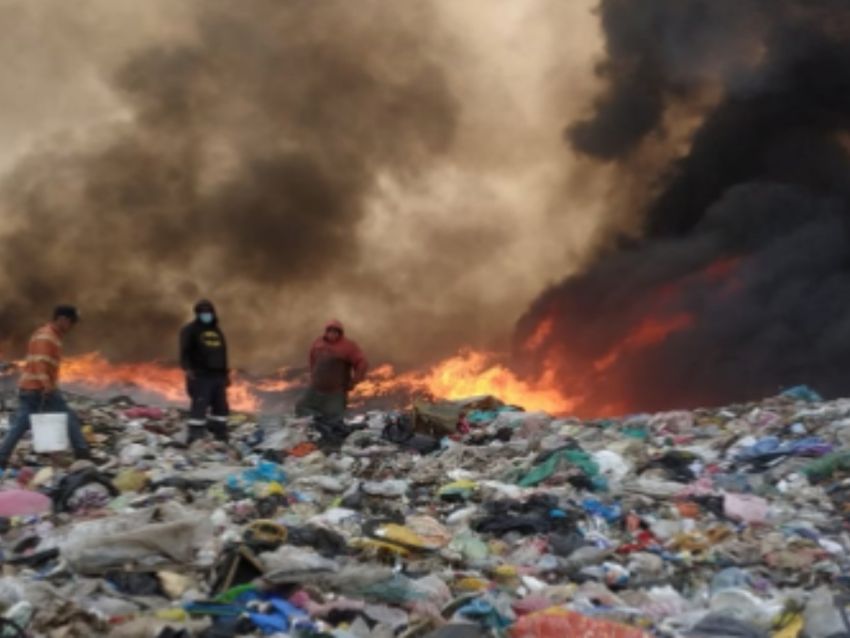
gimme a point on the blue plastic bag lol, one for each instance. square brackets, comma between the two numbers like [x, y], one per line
[594, 507]
[802, 393]
[282, 617]
[263, 472]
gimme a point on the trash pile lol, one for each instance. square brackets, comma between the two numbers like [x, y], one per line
[460, 519]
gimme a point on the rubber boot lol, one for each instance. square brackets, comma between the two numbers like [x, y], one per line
[195, 433]
[219, 430]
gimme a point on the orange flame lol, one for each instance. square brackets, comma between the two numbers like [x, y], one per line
[540, 334]
[274, 385]
[650, 331]
[469, 373]
[93, 371]
[722, 268]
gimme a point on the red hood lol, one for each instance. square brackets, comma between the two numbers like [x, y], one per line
[335, 324]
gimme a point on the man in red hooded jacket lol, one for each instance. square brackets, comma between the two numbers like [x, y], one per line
[336, 365]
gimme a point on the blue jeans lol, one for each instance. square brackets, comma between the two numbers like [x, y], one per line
[34, 401]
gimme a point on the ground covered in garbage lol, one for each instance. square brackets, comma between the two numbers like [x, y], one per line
[455, 520]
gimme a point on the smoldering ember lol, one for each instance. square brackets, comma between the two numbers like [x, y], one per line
[370, 319]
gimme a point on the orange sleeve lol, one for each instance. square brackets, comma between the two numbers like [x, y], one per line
[43, 358]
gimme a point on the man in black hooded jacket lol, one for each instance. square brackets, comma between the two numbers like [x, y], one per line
[203, 357]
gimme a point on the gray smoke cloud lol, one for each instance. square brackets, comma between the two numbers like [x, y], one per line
[731, 120]
[242, 166]
[292, 161]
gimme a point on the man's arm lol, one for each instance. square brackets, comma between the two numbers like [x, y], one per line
[358, 363]
[43, 361]
[186, 350]
[226, 358]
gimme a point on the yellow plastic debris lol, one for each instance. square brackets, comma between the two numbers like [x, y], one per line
[404, 536]
[175, 613]
[462, 487]
[130, 480]
[790, 630]
[506, 575]
[272, 488]
[266, 532]
[371, 544]
[470, 583]
[505, 571]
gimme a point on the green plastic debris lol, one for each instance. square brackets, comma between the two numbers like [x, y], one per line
[826, 466]
[636, 433]
[463, 489]
[234, 593]
[547, 468]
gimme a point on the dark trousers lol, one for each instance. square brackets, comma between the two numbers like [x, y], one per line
[33, 402]
[322, 404]
[209, 409]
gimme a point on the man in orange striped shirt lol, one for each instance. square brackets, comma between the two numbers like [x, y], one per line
[39, 384]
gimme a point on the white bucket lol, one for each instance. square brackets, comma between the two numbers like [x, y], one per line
[49, 431]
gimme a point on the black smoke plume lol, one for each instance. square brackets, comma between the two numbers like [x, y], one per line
[735, 119]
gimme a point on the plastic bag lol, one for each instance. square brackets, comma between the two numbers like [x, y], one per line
[826, 466]
[547, 468]
[802, 393]
[23, 503]
[559, 623]
[263, 472]
[98, 546]
[289, 564]
[474, 550]
[745, 507]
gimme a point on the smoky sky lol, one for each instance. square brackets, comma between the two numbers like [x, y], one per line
[743, 228]
[384, 163]
[242, 166]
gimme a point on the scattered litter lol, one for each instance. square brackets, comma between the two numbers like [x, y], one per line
[459, 519]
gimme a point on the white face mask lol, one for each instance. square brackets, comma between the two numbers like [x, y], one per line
[206, 317]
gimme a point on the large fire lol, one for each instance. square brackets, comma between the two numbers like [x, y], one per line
[650, 331]
[166, 383]
[563, 382]
[469, 373]
[600, 375]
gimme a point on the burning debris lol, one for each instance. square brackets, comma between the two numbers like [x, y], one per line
[727, 129]
[251, 152]
[717, 273]
[467, 374]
